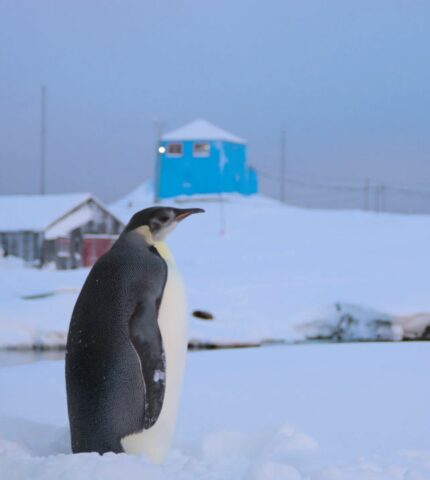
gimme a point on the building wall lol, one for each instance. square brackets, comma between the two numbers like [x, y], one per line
[26, 245]
[94, 246]
[224, 170]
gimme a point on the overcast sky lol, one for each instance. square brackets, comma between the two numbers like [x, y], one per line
[350, 79]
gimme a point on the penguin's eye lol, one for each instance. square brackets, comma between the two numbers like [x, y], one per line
[164, 219]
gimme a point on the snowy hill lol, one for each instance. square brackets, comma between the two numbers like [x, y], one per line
[264, 270]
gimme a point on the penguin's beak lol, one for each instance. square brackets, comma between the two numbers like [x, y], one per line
[182, 213]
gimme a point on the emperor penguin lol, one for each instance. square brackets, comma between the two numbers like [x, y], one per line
[127, 343]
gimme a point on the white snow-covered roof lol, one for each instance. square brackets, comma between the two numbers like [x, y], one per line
[202, 130]
[74, 219]
[36, 213]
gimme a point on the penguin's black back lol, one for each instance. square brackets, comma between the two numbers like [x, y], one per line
[105, 385]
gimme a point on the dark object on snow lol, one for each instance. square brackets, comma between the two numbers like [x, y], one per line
[426, 333]
[203, 315]
[202, 345]
[197, 345]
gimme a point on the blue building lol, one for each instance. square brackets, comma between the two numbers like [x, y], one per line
[200, 158]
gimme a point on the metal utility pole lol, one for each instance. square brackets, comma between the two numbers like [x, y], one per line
[43, 140]
[379, 198]
[282, 163]
[159, 125]
[383, 206]
[222, 216]
[366, 193]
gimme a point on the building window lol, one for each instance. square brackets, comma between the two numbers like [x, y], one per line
[201, 149]
[174, 149]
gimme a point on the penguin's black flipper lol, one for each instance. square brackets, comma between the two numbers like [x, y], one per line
[146, 338]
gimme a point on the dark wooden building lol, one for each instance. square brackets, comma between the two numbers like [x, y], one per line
[68, 230]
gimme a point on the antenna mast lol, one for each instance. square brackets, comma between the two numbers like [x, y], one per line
[43, 141]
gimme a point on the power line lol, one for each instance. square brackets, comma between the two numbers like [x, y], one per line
[369, 191]
[302, 183]
[343, 180]
[367, 184]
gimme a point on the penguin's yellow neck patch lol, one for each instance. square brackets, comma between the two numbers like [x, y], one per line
[146, 233]
[161, 247]
[164, 252]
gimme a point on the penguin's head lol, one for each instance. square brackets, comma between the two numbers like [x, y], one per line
[155, 223]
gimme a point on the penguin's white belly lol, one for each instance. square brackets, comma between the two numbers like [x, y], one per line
[172, 320]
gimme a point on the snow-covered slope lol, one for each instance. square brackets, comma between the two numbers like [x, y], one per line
[264, 270]
[314, 412]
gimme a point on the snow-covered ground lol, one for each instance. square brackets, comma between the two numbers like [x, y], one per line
[264, 270]
[317, 412]
[36, 305]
